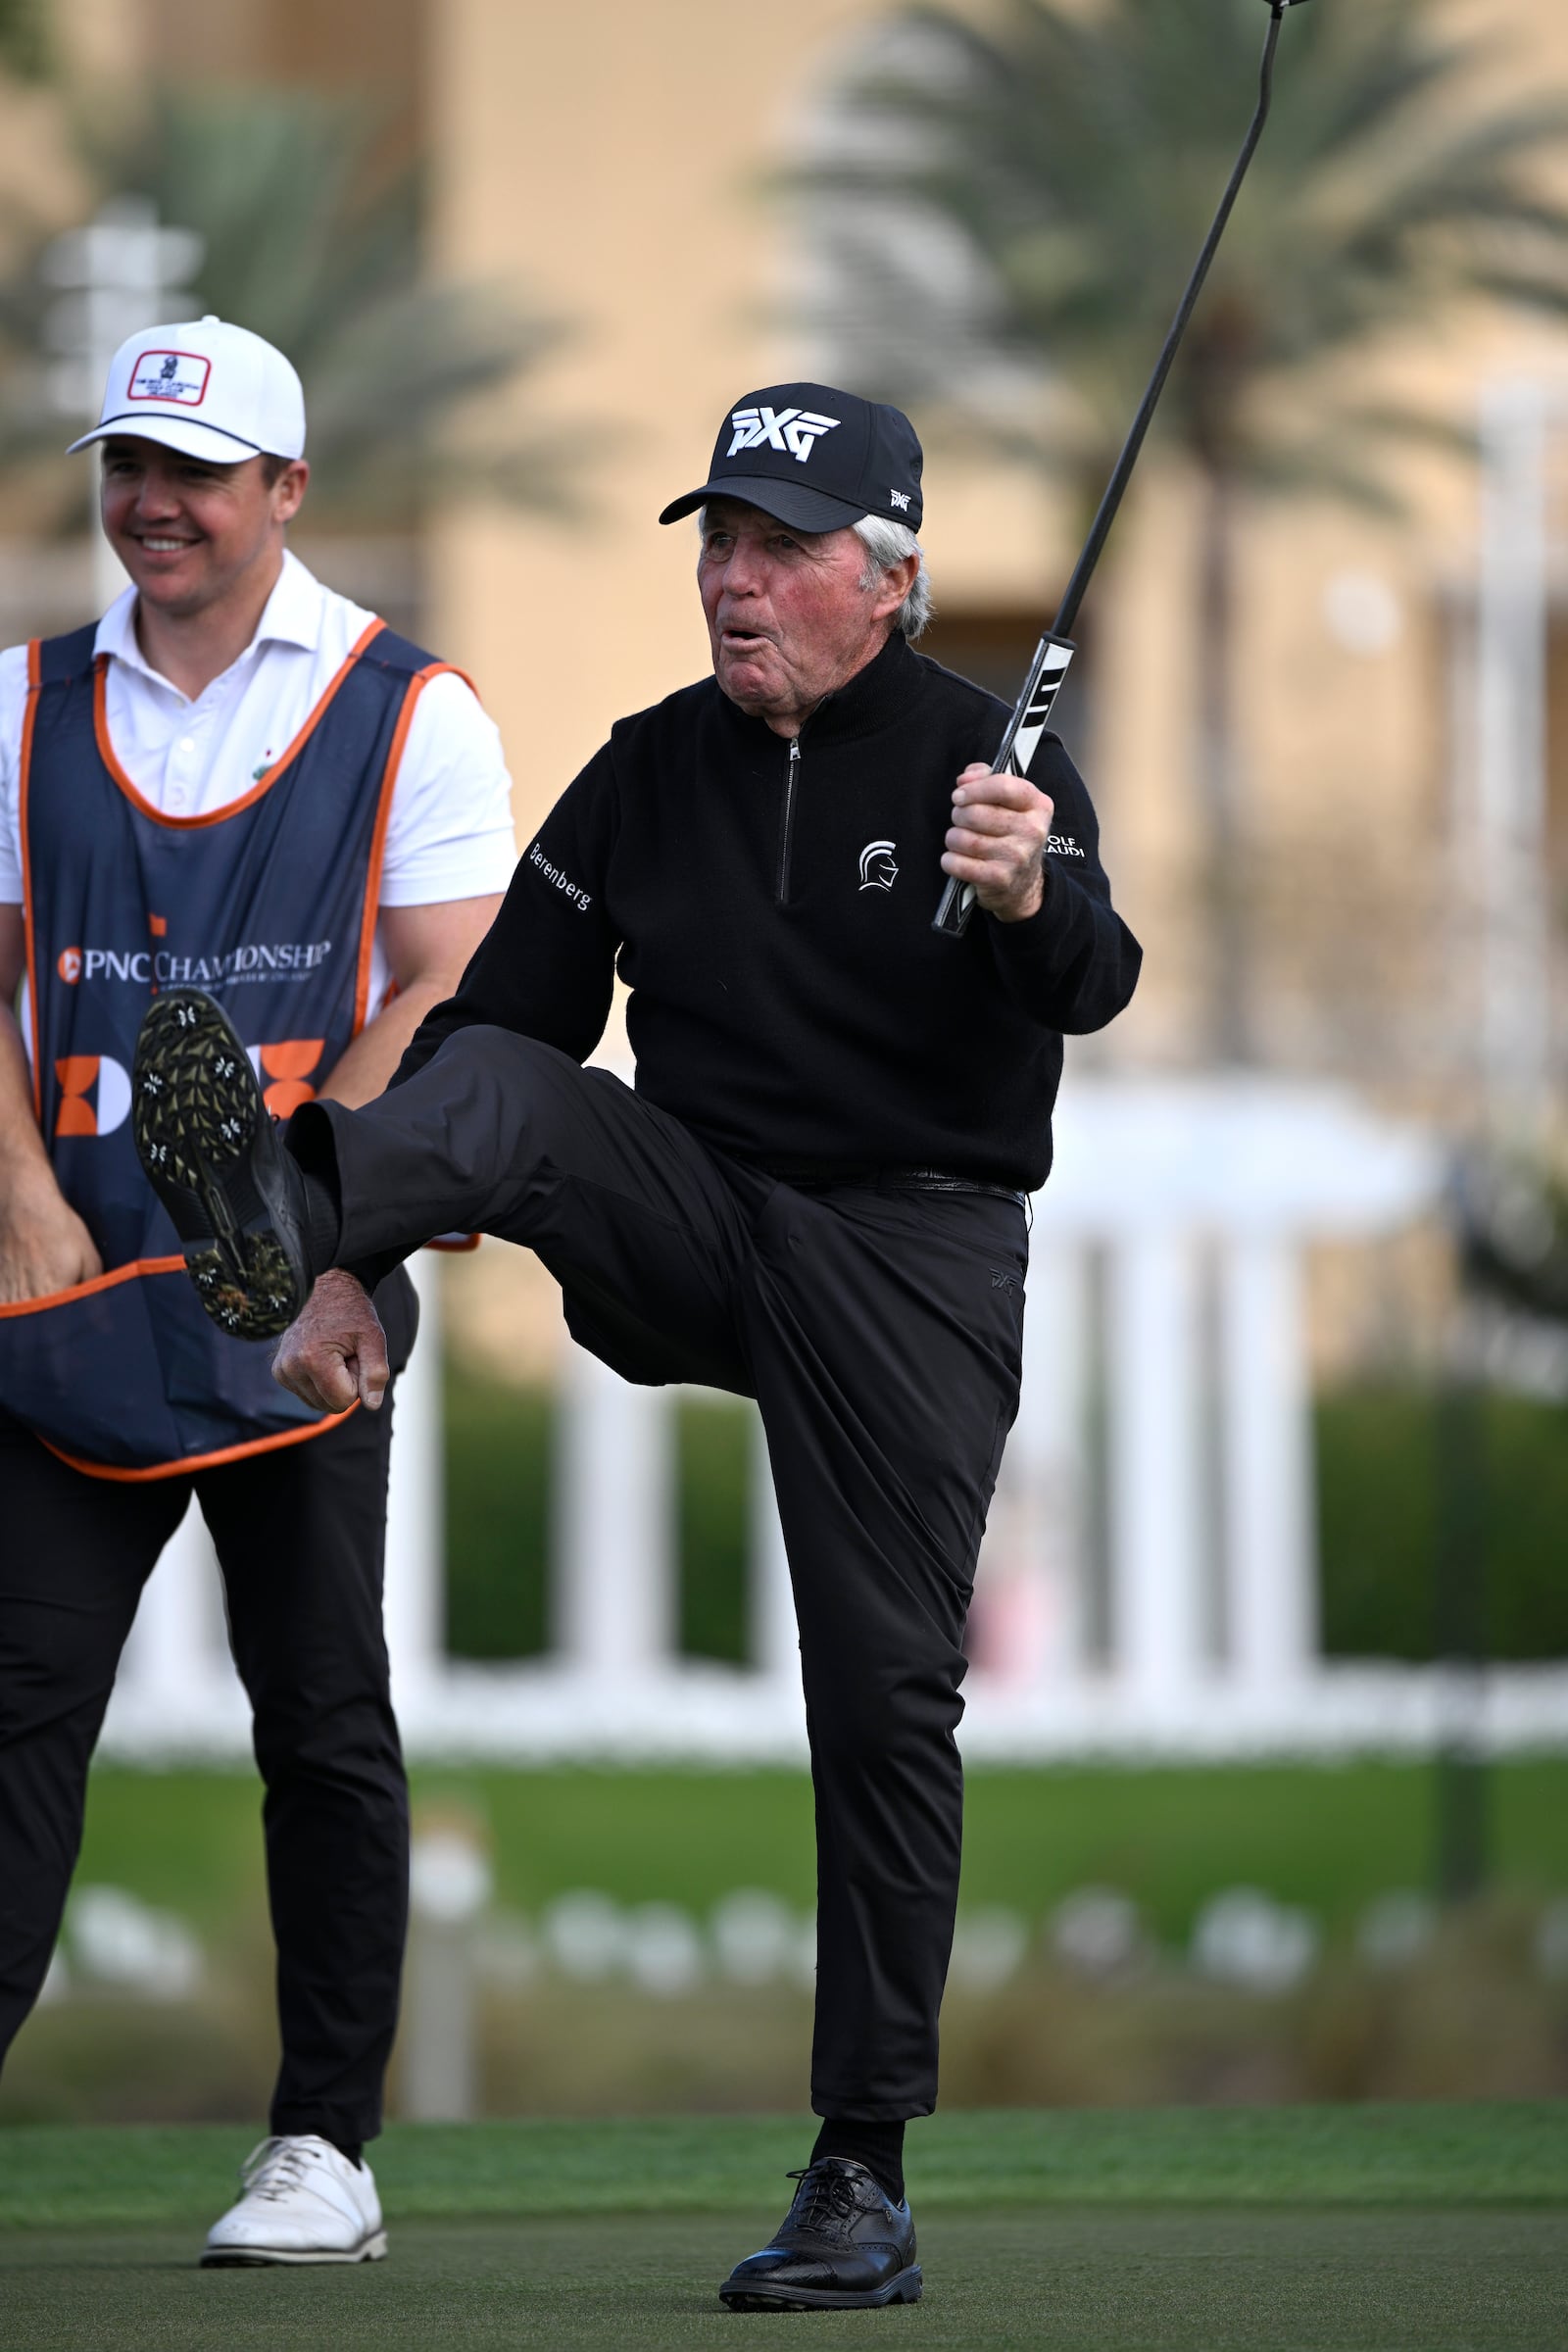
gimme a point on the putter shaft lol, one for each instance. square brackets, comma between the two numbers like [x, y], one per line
[1052, 655]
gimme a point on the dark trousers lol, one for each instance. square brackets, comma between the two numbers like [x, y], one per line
[879, 1331]
[299, 1534]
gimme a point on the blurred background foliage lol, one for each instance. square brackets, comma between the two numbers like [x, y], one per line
[1031, 183]
[27, 50]
[1385, 1997]
[315, 239]
[1379, 1455]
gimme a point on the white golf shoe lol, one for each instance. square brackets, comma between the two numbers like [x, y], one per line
[303, 2202]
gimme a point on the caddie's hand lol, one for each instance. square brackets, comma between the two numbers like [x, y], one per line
[996, 841]
[334, 1351]
[44, 1246]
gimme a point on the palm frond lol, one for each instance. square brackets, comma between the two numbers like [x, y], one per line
[309, 245]
[1071, 159]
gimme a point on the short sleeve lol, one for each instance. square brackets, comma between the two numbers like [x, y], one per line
[12, 705]
[449, 834]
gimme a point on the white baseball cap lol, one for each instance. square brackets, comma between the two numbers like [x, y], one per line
[206, 388]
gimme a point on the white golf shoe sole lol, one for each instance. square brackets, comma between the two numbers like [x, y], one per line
[249, 2258]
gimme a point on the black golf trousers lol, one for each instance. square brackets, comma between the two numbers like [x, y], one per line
[299, 1534]
[878, 1329]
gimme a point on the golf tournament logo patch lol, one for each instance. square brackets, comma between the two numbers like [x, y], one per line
[792, 433]
[179, 376]
[877, 870]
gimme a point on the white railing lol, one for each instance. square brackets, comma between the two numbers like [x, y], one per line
[1149, 1577]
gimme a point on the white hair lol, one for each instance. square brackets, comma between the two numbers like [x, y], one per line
[885, 543]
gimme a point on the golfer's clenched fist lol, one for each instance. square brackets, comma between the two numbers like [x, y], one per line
[335, 1351]
[996, 841]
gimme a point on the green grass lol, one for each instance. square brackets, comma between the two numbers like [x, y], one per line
[1329, 1837]
[1086, 2281]
[1504, 2153]
[1413, 2229]
[1474, 2019]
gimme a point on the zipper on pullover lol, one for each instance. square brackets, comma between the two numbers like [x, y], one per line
[781, 892]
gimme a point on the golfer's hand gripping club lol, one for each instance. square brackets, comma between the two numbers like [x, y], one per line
[333, 1355]
[1031, 711]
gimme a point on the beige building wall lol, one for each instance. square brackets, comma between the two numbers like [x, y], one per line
[605, 160]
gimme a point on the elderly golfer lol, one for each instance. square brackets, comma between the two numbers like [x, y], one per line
[813, 1197]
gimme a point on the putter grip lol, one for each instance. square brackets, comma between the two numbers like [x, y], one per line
[1031, 714]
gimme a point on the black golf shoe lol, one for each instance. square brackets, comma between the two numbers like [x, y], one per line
[843, 2245]
[215, 1156]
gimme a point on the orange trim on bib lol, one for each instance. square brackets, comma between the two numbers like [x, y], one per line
[29, 928]
[263, 783]
[203, 1461]
[389, 779]
[129, 1272]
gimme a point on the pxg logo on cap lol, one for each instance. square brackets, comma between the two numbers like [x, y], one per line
[797, 431]
[169, 375]
[814, 457]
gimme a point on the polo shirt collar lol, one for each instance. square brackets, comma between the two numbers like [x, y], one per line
[292, 615]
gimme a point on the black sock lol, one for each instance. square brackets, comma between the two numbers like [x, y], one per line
[878, 2146]
[353, 2149]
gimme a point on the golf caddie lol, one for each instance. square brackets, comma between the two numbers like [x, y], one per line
[240, 781]
[814, 1195]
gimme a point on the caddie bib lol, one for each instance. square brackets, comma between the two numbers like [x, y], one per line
[270, 905]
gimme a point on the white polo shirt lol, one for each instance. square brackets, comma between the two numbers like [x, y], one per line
[449, 832]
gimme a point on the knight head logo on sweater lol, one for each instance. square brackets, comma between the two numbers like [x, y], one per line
[877, 870]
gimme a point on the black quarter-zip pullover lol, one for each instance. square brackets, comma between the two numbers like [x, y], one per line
[768, 905]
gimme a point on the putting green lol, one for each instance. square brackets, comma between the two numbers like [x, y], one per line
[1076, 2279]
[1416, 2229]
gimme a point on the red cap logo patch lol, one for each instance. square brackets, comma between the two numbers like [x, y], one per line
[177, 376]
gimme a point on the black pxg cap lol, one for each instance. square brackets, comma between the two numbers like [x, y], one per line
[815, 457]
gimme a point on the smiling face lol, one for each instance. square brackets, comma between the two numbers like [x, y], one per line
[788, 618]
[193, 534]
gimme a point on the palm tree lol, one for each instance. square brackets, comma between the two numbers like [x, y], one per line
[1012, 204]
[311, 245]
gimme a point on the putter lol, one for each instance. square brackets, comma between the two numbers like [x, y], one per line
[1055, 652]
